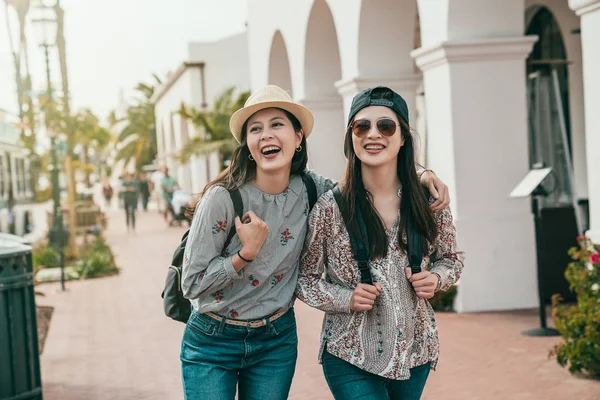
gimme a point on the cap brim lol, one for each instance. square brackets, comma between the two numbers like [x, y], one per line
[305, 117]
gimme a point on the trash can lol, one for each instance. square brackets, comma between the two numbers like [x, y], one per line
[19, 353]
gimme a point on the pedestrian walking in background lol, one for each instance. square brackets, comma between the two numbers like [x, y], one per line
[144, 187]
[130, 194]
[107, 193]
[168, 185]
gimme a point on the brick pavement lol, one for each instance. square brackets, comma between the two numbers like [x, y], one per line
[109, 339]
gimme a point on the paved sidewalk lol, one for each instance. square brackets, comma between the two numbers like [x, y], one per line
[109, 339]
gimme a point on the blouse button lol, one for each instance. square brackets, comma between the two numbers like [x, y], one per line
[397, 308]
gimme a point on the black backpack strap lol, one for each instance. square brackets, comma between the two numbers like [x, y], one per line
[415, 243]
[360, 246]
[415, 247]
[238, 206]
[311, 189]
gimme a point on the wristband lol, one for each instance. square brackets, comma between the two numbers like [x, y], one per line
[243, 259]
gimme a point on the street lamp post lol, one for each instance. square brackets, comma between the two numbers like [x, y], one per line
[44, 21]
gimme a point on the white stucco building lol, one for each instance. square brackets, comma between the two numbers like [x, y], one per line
[15, 175]
[474, 77]
[209, 69]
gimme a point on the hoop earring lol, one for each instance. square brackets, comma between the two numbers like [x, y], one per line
[250, 157]
[299, 149]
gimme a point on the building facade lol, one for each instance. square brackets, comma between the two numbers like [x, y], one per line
[494, 86]
[15, 177]
[211, 68]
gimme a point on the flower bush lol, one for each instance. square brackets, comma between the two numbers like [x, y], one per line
[579, 324]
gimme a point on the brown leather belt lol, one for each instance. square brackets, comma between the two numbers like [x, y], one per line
[249, 324]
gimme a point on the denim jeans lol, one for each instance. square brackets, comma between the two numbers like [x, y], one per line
[217, 357]
[347, 381]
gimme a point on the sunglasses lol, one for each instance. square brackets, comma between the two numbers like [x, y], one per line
[385, 126]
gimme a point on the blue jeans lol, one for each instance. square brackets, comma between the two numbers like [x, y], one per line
[347, 381]
[217, 357]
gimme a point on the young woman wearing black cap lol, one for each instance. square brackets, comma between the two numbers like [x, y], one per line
[241, 335]
[379, 339]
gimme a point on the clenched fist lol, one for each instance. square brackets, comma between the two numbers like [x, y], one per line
[252, 232]
[364, 296]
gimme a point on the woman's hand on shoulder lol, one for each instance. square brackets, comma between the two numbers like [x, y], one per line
[437, 188]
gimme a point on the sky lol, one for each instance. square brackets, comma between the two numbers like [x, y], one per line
[114, 44]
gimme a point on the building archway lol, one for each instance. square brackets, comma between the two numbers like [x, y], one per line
[279, 64]
[322, 69]
[550, 143]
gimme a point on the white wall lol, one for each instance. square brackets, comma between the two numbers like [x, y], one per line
[226, 64]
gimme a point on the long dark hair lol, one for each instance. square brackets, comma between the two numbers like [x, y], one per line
[414, 202]
[242, 169]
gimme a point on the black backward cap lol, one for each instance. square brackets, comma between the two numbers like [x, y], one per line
[388, 98]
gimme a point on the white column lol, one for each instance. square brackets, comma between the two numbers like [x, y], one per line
[589, 12]
[477, 144]
[326, 143]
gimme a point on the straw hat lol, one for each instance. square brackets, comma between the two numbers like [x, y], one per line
[267, 97]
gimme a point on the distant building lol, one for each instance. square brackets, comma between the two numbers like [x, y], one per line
[211, 68]
[15, 177]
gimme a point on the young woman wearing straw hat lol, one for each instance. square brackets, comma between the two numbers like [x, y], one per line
[379, 337]
[242, 331]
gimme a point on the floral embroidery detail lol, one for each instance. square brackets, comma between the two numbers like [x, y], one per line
[285, 237]
[276, 279]
[186, 260]
[233, 314]
[219, 226]
[253, 280]
[306, 209]
[217, 296]
[202, 274]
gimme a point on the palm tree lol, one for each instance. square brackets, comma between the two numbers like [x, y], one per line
[91, 136]
[137, 139]
[213, 126]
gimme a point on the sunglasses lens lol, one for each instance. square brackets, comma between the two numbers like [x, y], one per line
[387, 127]
[361, 127]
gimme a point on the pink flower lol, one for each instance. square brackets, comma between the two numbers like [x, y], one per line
[595, 258]
[576, 256]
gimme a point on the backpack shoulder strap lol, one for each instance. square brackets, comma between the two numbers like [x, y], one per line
[238, 206]
[415, 244]
[311, 189]
[360, 246]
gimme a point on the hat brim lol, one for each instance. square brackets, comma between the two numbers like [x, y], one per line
[303, 114]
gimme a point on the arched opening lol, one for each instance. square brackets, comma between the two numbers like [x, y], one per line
[322, 61]
[548, 93]
[322, 70]
[550, 144]
[279, 64]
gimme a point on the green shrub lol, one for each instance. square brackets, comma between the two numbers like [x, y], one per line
[579, 325]
[97, 261]
[444, 301]
[45, 257]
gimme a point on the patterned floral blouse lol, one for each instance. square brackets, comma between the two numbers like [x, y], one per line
[267, 284]
[400, 332]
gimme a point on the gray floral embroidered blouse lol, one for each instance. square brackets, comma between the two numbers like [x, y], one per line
[265, 285]
[400, 332]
